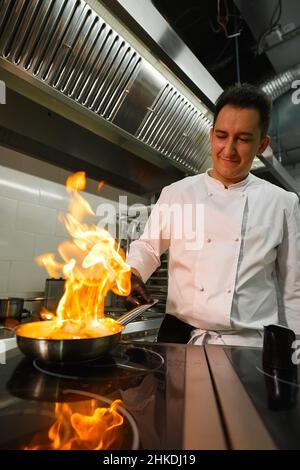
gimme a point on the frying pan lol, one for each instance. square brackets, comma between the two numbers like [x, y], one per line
[75, 350]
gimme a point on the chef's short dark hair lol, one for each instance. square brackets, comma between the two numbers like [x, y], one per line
[247, 96]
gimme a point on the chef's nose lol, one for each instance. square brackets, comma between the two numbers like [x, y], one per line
[229, 148]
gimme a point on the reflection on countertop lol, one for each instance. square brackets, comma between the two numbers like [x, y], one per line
[274, 392]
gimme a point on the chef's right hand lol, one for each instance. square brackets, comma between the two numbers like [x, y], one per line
[138, 294]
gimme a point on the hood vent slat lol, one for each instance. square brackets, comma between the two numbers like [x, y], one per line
[23, 31]
[46, 42]
[5, 6]
[35, 31]
[78, 58]
[72, 49]
[69, 47]
[175, 128]
[63, 18]
[10, 27]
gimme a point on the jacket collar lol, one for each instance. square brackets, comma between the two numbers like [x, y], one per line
[213, 183]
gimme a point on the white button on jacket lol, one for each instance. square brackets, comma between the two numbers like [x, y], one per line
[247, 242]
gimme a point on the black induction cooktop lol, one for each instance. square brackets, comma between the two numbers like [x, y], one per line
[147, 378]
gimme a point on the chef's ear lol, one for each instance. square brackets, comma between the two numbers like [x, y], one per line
[264, 144]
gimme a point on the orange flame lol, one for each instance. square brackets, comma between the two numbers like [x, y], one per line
[76, 182]
[92, 264]
[81, 426]
[100, 185]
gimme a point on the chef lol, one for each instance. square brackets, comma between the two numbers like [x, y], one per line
[233, 238]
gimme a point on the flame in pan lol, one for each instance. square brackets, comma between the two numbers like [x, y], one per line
[92, 264]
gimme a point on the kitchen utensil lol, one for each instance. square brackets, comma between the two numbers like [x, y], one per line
[13, 307]
[54, 289]
[277, 347]
[75, 350]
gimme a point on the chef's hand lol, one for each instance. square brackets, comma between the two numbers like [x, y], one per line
[139, 294]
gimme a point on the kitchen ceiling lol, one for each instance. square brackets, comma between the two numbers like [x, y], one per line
[197, 24]
[283, 44]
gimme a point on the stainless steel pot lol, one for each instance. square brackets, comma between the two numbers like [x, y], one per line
[13, 307]
[75, 350]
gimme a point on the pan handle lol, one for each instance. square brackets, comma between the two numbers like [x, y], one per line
[132, 314]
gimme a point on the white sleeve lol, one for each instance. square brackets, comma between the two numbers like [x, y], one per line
[288, 259]
[144, 254]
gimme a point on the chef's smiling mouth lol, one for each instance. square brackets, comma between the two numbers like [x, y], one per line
[229, 160]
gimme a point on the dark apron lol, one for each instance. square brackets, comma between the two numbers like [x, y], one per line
[173, 330]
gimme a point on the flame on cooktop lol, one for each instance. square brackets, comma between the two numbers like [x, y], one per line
[81, 426]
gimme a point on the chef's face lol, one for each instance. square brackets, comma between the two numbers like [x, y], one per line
[235, 140]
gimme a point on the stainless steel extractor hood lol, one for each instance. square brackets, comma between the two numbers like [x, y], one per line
[267, 167]
[81, 88]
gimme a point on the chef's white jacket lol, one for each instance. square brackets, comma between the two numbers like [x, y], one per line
[240, 269]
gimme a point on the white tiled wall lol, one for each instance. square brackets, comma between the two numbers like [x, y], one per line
[32, 195]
